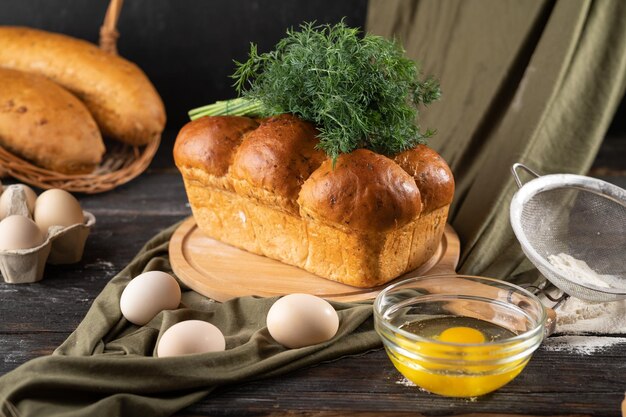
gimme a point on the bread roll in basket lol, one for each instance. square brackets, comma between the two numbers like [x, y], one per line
[262, 186]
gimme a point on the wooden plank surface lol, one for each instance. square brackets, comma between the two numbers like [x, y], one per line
[36, 318]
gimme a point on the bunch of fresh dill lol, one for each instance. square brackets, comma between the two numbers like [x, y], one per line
[360, 91]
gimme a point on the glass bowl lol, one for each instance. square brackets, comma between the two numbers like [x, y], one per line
[459, 336]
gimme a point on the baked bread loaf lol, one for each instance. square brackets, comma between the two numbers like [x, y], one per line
[264, 187]
[46, 124]
[118, 94]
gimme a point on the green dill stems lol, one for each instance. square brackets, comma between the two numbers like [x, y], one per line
[359, 91]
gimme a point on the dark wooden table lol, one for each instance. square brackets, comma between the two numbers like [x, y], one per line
[36, 318]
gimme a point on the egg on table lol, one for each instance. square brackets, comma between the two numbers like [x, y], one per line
[57, 208]
[19, 232]
[298, 320]
[6, 196]
[147, 295]
[190, 337]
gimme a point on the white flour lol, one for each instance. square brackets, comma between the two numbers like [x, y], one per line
[578, 271]
[584, 345]
[405, 382]
[575, 316]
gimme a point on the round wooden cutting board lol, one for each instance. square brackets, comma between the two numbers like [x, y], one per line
[222, 272]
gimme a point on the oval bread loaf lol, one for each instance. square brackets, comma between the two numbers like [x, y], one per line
[118, 94]
[46, 124]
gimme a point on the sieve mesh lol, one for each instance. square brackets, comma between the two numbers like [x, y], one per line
[581, 217]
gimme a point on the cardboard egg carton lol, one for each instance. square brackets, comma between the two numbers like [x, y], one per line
[62, 245]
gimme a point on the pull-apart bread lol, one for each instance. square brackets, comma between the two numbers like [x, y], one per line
[264, 187]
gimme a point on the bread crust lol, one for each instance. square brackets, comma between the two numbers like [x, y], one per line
[209, 143]
[118, 94]
[47, 125]
[431, 174]
[363, 191]
[361, 223]
[275, 159]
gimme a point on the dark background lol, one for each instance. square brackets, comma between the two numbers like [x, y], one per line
[187, 47]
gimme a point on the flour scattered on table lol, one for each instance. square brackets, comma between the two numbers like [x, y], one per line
[578, 271]
[405, 382]
[100, 264]
[583, 345]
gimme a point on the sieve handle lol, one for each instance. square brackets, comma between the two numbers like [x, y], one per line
[517, 166]
[550, 327]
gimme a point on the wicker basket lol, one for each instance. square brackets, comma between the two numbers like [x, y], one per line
[120, 164]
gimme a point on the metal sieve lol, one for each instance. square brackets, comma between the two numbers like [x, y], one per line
[573, 229]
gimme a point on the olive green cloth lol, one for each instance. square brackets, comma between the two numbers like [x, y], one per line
[532, 81]
[107, 368]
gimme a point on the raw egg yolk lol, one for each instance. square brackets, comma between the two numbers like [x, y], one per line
[461, 335]
[477, 373]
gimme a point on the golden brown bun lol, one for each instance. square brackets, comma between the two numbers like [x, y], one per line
[275, 159]
[361, 224]
[118, 94]
[46, 124]
[209, 143]
[365, 191]
[431, 173]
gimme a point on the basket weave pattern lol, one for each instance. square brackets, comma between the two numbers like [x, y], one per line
[121, 162]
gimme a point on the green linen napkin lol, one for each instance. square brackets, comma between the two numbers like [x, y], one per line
[107, 366]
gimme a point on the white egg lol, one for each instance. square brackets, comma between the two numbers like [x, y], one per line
[19, 232]
[299, 320]
[5, 198]
[57, 208]
[147, 295]
[189, 337]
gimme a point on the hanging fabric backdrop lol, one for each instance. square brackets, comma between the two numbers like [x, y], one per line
[534, 81]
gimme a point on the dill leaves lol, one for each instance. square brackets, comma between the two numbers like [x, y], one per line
[359, 91]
